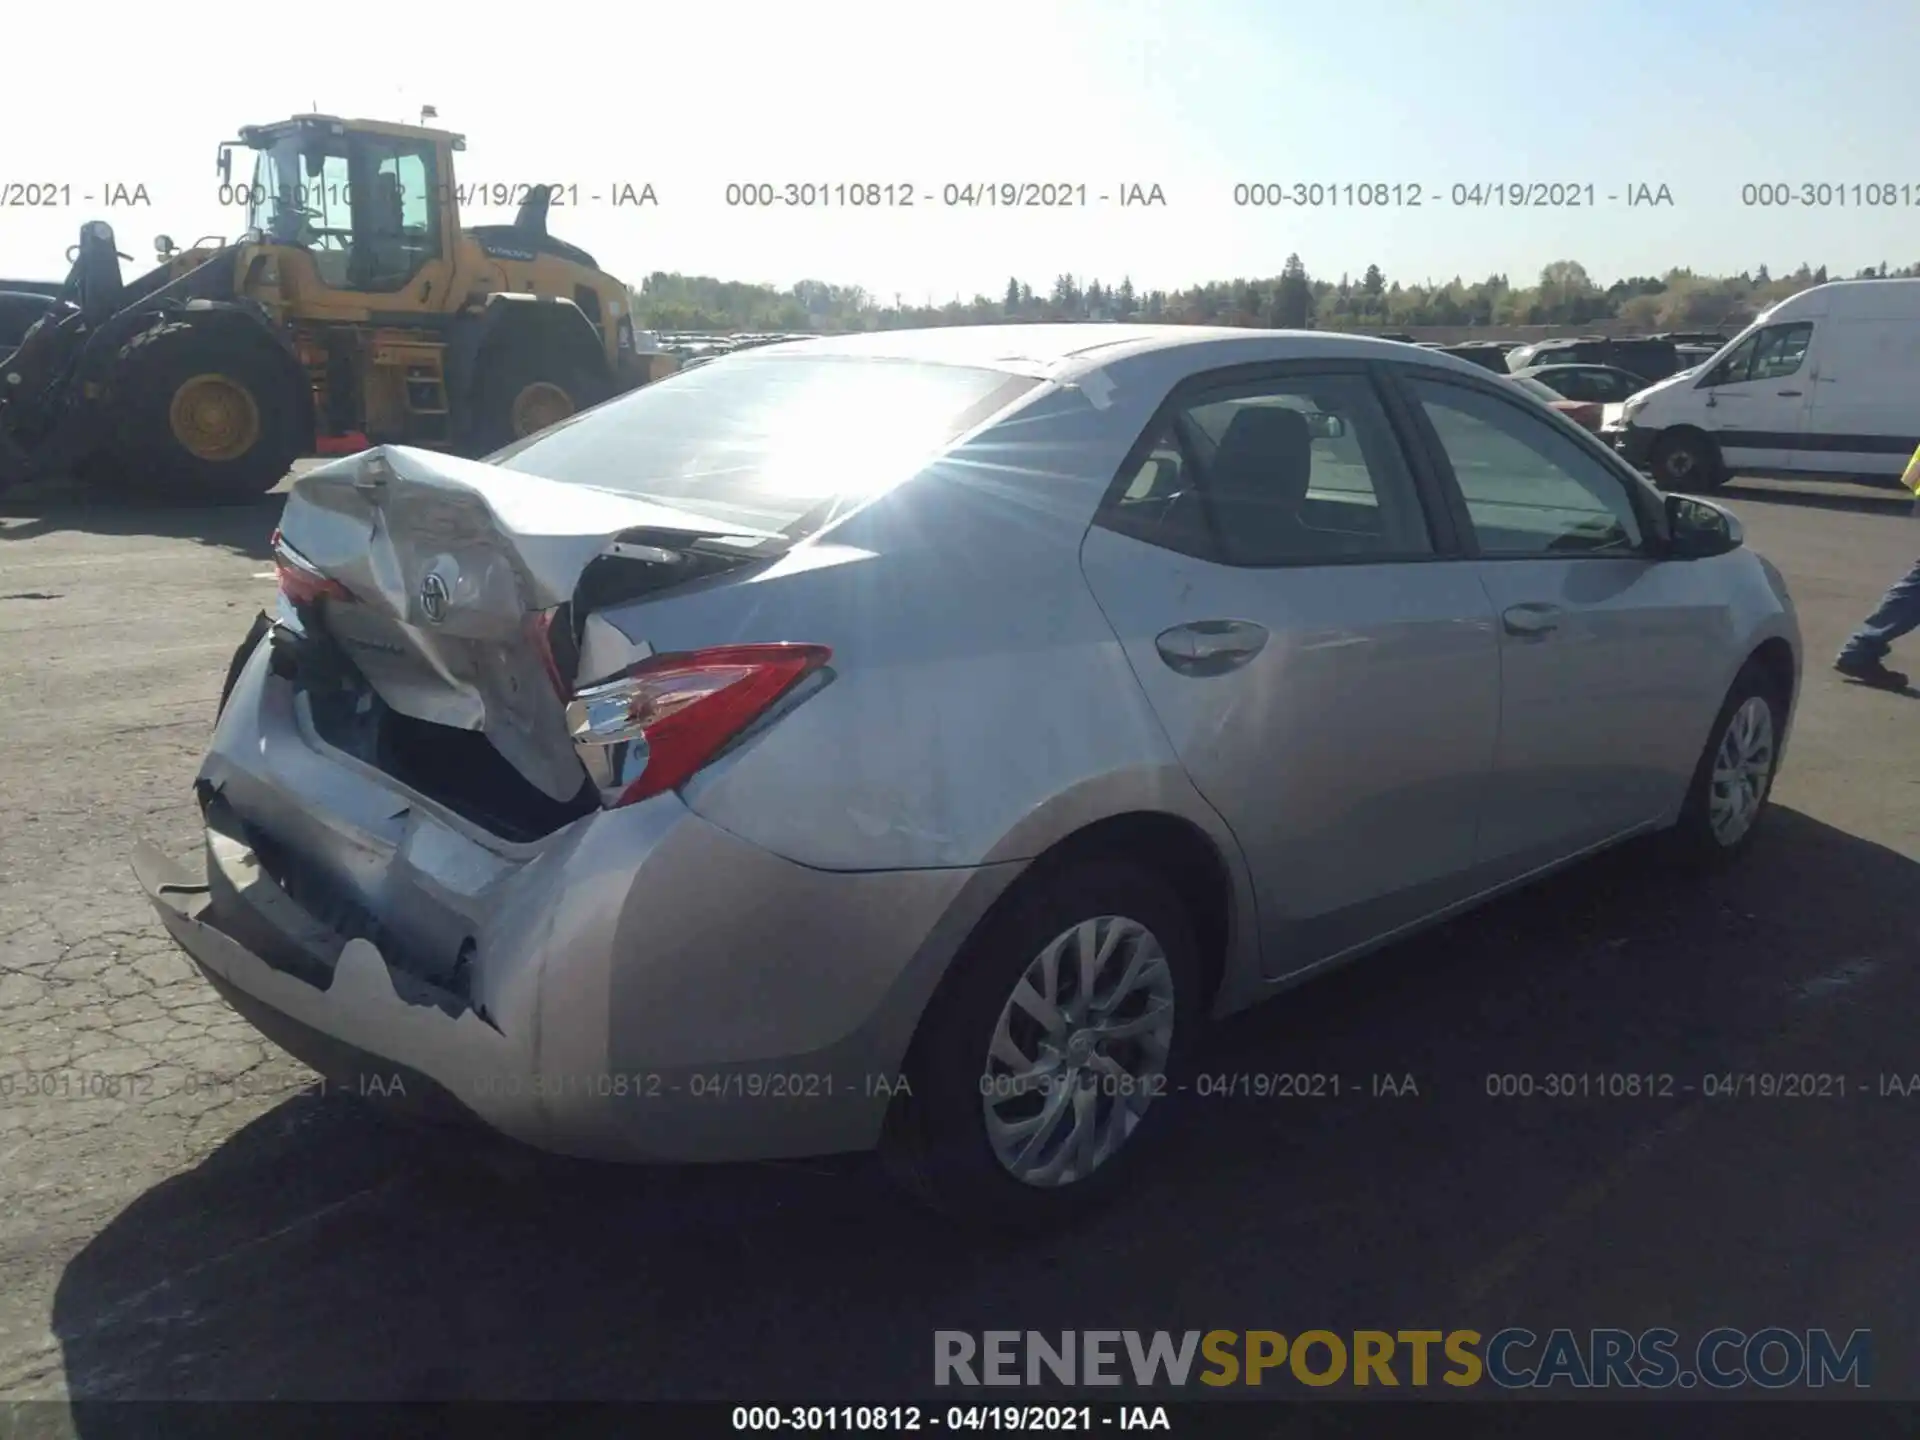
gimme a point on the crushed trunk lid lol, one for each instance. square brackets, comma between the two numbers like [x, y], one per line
[457, 568]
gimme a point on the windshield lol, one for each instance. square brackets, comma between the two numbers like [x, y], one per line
[766, 442]
[304, 199]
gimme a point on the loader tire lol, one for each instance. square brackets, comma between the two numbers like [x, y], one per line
[520, 394]
[203, 414]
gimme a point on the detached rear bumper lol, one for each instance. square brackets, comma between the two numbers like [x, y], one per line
[353, 1029]
[549, 1069]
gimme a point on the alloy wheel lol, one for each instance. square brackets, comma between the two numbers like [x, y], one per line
[1742, 770]
[1079, 1052]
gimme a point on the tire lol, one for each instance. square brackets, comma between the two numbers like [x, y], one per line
[202, 413]
[1696, 839]
[521, 392]
[1688, 462]
[937, 1143]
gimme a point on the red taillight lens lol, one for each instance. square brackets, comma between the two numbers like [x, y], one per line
[301, 581]
[686, 707]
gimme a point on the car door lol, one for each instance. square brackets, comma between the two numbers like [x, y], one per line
[1757, 398]
[1607, 652]
[1328, 677]
[1864, 380]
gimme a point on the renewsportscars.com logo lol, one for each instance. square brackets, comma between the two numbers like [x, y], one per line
[1773, 1358]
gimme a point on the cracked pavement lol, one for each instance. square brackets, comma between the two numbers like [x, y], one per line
[117, 1062]
[182, 1215]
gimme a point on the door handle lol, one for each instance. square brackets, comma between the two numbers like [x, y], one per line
[1531, 621]
[1789, 392]
[1210, 647]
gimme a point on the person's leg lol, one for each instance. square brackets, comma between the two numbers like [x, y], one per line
[1897, 615]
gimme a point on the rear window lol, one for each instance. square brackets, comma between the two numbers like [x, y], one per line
[766, 442]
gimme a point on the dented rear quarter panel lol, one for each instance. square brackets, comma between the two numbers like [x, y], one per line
[974, 677]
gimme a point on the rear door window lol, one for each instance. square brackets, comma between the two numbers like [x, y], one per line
[1295, 470]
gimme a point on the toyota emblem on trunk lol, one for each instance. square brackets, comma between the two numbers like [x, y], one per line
[434, 596]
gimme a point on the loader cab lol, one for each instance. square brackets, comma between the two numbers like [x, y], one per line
[368, 203]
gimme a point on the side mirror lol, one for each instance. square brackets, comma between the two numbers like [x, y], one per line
[163, 246]
[1326, 427]
[1698, 529]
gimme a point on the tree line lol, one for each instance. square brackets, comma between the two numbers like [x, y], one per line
[1564, 295]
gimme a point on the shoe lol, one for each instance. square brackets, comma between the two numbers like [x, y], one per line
[1871, 672]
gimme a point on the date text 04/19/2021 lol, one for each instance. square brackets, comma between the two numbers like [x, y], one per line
[907, 194]
[1326, 194]
[717, 1085]
[903, 1419]
[1715, 1085]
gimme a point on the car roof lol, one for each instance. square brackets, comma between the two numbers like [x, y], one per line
[1596, 340]
[1546, 369]
[1064, 351]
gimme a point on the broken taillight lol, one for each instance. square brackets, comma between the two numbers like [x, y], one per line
[653, 727]
[301, 581]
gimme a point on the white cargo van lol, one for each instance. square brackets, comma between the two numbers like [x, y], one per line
[1826, 383]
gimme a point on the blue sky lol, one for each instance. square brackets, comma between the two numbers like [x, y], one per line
[1196, 96]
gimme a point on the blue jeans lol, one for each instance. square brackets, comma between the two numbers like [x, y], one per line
[1899, 613]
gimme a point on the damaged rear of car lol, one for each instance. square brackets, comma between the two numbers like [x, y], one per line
[447, 843]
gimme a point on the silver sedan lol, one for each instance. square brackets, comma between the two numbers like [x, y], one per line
[912, 741]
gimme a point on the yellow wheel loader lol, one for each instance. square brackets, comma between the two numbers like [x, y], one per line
[353, 310]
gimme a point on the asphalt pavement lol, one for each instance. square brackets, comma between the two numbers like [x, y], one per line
[183, 1216]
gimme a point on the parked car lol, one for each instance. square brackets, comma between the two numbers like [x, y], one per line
[1712, 339]
[1655, 359]
[1601, 384]
[1587, 414]
[1823, 385]
[913, 740]
[1488, 354]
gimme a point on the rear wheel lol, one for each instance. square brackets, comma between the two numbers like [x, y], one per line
[1045, 1066]
[522, 394]
[1686, 460]
[206, 414]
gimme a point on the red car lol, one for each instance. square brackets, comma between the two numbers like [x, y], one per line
[1584, 413]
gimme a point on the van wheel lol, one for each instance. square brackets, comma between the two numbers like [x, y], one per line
[1686, 460]
[1049, 1057]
